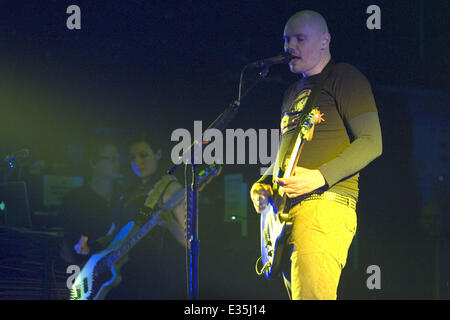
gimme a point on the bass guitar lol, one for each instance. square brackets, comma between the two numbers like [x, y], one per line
[101, 272]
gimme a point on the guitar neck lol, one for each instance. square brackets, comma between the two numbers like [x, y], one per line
[148, 226]
[308, 126]
[205, 176]
[280, 195]
[295, 156]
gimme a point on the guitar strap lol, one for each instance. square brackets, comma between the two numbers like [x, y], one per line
[154, 199]
[144, 213]
[315, 92]
[158, 190]
[310, 103]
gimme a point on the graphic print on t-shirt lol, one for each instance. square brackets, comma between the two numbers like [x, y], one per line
[300, 101]
[290, 118]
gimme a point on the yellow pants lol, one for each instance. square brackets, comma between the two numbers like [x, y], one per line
[321, 236]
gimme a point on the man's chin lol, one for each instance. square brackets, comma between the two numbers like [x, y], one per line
[295, 69]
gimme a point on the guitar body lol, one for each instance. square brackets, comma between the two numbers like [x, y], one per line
[101, 273]
[275, 226]
[275, 230]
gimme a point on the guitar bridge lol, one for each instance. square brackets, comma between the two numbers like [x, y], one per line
[267, 241]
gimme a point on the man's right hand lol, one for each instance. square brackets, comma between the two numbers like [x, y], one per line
[260, 194]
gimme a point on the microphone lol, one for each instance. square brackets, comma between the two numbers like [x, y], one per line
[285, 57]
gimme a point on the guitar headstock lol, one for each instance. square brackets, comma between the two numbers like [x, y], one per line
[313, 118]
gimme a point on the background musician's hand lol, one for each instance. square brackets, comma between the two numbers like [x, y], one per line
[81, 247]
[303, 181]
[260, 194]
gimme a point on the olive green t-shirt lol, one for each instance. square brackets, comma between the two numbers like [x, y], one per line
[349, 114]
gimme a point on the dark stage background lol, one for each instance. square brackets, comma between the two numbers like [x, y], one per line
[164, 64]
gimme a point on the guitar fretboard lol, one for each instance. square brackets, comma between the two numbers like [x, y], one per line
[204, 177]
[147, 227]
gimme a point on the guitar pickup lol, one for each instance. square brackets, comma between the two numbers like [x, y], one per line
[85, 285]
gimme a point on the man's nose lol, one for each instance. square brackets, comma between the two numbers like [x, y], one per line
[288, 47]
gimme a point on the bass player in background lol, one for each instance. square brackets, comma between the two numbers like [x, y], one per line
[156, 265]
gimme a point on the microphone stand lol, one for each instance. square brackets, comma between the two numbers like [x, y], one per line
[192, 240]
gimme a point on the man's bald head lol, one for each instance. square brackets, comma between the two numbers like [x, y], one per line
[306, 37]
[312, 19]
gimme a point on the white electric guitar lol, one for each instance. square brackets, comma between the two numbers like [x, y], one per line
[274, 225]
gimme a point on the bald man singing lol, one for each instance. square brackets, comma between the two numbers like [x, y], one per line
[323, 189]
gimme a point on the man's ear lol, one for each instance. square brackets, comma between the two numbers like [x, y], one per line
[326, 39]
